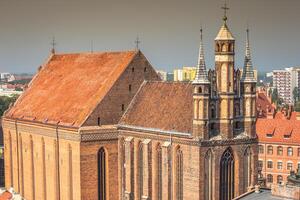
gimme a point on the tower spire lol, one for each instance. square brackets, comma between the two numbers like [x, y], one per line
[201, 73]
[248, 74]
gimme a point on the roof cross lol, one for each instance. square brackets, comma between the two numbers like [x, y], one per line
[53, 44]
[225, 8]
[137, 42]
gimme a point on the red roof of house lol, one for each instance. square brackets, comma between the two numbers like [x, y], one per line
[278, 130]
[70, 86]
[166, 106]
[6, 196]
[263, 104]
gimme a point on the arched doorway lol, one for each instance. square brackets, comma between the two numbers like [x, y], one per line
[227, 175]
[101, 174]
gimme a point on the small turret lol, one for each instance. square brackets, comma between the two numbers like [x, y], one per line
[201, 96]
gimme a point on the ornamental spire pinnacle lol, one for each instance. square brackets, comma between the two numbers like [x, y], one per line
[248, 74]
[201, 73]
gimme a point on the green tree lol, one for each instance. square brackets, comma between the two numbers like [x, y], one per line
[6, 101]
[275, 96]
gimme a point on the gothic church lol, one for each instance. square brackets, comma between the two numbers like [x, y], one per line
[104, 126]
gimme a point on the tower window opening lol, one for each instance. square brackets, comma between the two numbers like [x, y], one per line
[212, 126]
[99, 121]
[123, 107]
[237, 125]
[132, 69]
[199, 90]
[213, 112]
[129, 88]
[145, 69]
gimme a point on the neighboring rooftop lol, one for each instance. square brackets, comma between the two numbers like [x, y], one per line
[69, 86]
[165, 106]
[279, 129]
[264, 194]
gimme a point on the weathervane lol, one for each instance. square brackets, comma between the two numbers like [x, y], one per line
[137, 42]
[225, 8]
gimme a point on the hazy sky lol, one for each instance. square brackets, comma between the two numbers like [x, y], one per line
[168, 29]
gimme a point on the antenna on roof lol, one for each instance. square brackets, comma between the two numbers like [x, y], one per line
[137, 42]
[53, 44]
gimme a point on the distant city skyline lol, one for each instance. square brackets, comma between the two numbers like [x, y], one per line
[168, 30]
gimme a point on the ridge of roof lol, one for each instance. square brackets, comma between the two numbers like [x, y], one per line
[61, 78]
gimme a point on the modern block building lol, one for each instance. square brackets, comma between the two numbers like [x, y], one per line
[285, 81]
[185, 74]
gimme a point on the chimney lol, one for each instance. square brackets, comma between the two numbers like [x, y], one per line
[270, 113]
[257, 188]
[298, 115]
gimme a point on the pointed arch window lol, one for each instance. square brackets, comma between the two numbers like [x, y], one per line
[227, 175]
[247, 169]
[101, 174]
[213, 111]
[208, 175]
[140, 170]
[179, 174]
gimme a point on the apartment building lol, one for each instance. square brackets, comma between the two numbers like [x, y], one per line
[279, 146]
[185, 74]
[285, 81]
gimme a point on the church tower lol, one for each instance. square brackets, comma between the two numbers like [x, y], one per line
[224, 69]
[248, 84]
[201, 93]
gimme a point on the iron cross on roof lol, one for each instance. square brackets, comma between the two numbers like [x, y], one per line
[225, 8]
[137, 42]
[53, 44]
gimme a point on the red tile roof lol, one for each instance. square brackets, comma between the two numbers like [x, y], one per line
[6, 196]
[278, 130]
[166, 106]
[69, 87]
[263, 104]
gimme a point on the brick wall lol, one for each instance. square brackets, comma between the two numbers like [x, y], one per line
[110, 108]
